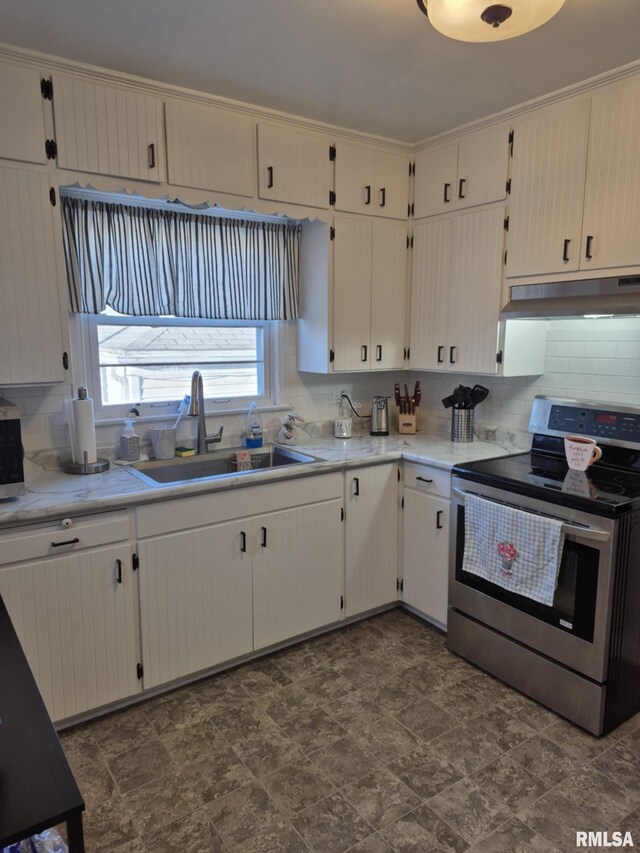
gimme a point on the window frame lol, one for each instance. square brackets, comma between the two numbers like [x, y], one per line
[272, 350]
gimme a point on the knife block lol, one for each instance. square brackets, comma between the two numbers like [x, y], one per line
[407, 424]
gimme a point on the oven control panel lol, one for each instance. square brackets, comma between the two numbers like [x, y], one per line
[596, 423]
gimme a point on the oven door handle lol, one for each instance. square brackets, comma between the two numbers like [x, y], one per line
[591, 533]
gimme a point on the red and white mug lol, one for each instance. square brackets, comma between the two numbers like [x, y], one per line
[581, 452]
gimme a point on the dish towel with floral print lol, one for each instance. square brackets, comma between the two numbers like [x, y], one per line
[517, 550]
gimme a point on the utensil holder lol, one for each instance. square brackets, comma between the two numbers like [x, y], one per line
[462, 424]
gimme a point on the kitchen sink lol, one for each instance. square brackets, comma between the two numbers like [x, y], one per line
[213, 466]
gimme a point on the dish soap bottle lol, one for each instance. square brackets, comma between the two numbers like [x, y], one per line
[129, 443]
[253, 433]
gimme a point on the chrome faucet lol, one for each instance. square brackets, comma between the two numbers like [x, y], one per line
[196, 410]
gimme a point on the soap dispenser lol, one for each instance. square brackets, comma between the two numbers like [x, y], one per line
[253, 432]
[129, 443]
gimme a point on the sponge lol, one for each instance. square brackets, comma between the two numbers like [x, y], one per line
[185, 451]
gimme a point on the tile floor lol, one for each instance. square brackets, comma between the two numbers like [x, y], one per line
[373, 738]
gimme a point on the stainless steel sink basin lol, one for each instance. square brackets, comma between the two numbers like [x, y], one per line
[220, 463]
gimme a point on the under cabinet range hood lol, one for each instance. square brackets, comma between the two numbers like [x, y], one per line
[602, 296]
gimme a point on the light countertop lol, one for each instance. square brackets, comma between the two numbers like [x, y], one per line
[53, 494]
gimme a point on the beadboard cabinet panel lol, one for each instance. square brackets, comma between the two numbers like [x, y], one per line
[547, 191]
[22, 128]
[293, 166]
[352, 294]
[371, 537]
[369, 181]
[77, 626]
[483, 165]
[108, 131]
[298, 571]
[475, 290]
[388, 295]
[31, 334]
[195, 600]
[425, 567]
[436, 172]
[430, 294]
[210, 149]
[611, 222]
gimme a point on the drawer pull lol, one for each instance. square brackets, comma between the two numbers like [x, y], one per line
[439, 515]
[151, 155]
[243, 542]
[368, 190]
[264, 537]
[269, 177]
[356, 487]
[73, 541]
[424, 480]
[119, 571]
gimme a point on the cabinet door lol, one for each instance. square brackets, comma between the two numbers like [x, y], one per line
[426, 554]
[22, 127]
[435, 181]
[293, 166]
[31, 336]
[77, 626]
[195, 600]
[477, 262]
[108, 131]
[547, 191]
[371, 537]
[352, 294]
[611, 221]
[210, 150]
[391, 185]
[297, 571]
[430, 294]
[388, 295]
[354, 178]
[483, 165]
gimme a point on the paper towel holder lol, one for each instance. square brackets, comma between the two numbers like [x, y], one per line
[86, 467]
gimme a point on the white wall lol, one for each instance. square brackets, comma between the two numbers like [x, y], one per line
[590, 359]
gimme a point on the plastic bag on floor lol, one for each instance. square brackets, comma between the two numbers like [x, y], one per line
[48, 841]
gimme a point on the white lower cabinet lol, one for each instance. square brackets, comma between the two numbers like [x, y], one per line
[372, 503]
[426, 541]
[75, 615]
[215, 592]
[195, 600]
[298, 570]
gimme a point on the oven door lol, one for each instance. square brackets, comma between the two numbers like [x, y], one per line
[575, 630]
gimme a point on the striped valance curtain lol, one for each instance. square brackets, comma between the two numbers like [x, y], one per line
[145, 261]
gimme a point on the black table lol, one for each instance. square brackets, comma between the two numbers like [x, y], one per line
[37, 788]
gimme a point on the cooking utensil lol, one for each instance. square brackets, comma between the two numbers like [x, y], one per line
[417, 393]
[447, 402]
[478, 394]
[396, 392]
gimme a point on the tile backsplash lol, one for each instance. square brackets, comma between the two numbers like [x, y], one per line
[590, 359]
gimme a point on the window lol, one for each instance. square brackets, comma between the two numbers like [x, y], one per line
[148, 361]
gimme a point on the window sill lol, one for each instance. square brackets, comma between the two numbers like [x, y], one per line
[209, 413]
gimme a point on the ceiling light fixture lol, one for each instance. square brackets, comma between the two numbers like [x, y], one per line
[481, 20]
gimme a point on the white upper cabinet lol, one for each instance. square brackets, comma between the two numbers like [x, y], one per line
[463, 174]
[547, 190]
[210, 149]
[457, 284]
[22, 127]
[370, 181]
[611, 222]
[369, 286]
[31, 335]
[107, 130]
[293, 166]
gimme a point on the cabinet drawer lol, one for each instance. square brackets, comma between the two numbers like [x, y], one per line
[48, 540]
[427, 478]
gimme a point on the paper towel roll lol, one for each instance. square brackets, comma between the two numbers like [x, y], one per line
[85, 428]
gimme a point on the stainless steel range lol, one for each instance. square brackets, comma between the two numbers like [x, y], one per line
[579, 656]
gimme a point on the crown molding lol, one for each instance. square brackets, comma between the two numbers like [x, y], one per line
[584, 87]
[50, 64]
